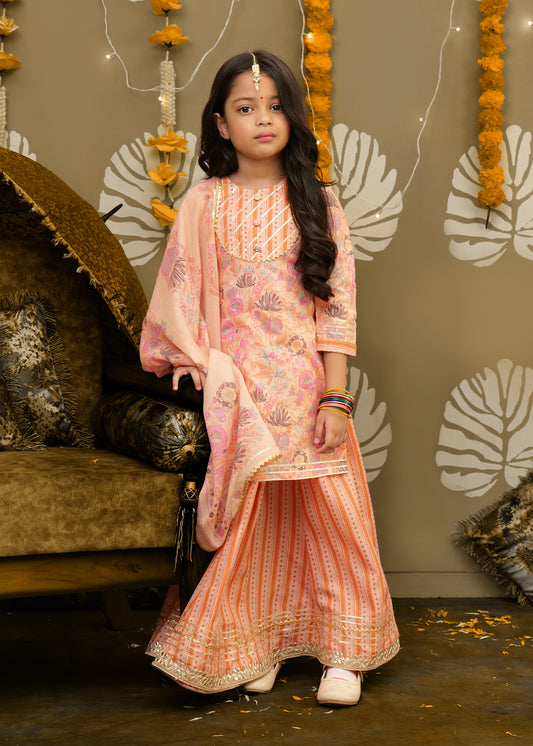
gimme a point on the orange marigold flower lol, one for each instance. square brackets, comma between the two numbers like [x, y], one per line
[492, 23]
[491, 177]
[490, 156]
[318, 41]
[160, 7]
[8, 61]
[492, 137]
[489, 119]
[163, 213]
[168, 142]
[492, 99]
[169, 36]
[7, 26]
[491, 80]
[318, 15]
[491, 197]
[492, 7]
[491, 43]
[165, 174]
[493, 63]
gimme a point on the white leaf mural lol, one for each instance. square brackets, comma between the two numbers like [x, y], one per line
[487, 433]
[19, 144]
[511, 224]
[126, 181]
[373, 432]
[366, 190]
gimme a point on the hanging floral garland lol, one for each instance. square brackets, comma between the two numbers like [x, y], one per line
[318, 63]
[165, 175]
[490, 119]
[7, 62]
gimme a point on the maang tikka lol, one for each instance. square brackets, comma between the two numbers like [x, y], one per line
[256, 72]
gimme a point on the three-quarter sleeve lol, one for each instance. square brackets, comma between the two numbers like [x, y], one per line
[335, 319]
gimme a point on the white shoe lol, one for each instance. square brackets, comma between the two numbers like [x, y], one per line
[264, 683]
[338, 689]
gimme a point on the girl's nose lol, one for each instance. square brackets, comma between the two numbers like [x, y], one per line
[264, 117]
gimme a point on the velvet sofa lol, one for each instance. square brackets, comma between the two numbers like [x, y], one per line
[78, 515]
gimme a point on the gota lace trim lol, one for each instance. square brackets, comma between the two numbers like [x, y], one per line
[289, 623]
[273, 472]
[255, 225]
[204, 682]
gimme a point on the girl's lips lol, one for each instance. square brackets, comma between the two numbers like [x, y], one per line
[265, 137]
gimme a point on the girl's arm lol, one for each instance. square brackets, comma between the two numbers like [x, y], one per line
[331, 428]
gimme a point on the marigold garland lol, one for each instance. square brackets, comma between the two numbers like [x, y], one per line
[165, 175]
[318, 63]
[8, 61]
[490, 120]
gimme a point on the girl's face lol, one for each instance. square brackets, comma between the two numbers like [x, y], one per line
[253, 120]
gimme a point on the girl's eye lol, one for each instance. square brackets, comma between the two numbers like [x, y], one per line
[276, 107]
[245, 109]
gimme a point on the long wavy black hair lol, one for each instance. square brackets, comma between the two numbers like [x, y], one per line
[307, 197]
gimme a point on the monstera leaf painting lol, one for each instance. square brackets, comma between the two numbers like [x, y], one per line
[126, 181]
[373, 431]
[510, 226]
[366, 190]
[487, 433]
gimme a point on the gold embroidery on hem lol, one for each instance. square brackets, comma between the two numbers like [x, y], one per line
[204, 682]
[292, 622]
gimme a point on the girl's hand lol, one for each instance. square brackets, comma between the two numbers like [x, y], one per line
[331, 430]
[183, 370]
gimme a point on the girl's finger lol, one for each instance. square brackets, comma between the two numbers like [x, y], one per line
[195, 375]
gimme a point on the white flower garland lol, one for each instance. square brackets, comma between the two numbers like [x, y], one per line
[167, 77]
[3, 116]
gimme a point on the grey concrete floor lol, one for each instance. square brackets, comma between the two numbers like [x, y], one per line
[463, 676]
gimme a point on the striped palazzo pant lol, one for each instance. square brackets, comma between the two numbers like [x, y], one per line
[298, 574]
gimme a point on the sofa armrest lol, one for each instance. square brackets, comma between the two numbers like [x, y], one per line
[119, 374]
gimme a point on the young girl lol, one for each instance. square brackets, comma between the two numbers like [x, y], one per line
[255, 299]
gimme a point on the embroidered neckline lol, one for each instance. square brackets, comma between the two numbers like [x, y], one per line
[257, 224]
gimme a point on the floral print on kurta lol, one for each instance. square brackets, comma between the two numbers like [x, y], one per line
[272, 328]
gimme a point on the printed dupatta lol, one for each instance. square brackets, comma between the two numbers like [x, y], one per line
[183, 319]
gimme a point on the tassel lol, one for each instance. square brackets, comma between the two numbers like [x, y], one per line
[186, 524]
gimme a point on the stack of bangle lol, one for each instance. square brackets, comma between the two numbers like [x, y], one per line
[337, 400]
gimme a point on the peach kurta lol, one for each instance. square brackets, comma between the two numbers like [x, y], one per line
[273, 330]
[298, 572]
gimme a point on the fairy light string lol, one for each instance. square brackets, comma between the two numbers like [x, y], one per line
[194, 73]
[318, 20]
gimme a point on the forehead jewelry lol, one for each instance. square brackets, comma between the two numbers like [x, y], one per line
[256, 72]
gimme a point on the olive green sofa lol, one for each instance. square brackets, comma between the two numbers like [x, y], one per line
[80, 518]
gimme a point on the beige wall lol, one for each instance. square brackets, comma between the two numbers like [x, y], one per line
[427, 319]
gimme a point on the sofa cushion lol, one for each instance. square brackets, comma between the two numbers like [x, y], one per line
[15, 435]
[500, 539]
[162, 433]
[35, 370]
[38, 266]
[76, 500]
